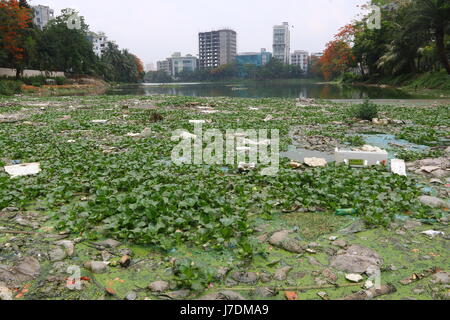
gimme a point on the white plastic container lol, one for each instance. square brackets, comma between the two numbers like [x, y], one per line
[361, 159]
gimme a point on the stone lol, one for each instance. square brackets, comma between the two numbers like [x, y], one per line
[440, 174]
[433, 202]
[245, 277]
[313, 261]
[106, 255]
[68, 246]
[353, 277]
[356, 259]
[441, 278]
[27, 270]
[282, 273]
[323, 295]
[131, 296]
[96, 266]
[355, 227]
[315, 162]
[125, 261]
[57, 254]
[159, 286]
[412, 224]
[223, 295]
[265, 292]
[368, 284]
[329, 275]
[5, 294]
[339, 243]
[222, 272]
[179, 294]
[430, 169]
[109, 243]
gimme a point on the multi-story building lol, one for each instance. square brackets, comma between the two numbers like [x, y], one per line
[177, 63]
[165, 65]
[42, 15]
[217, 48]
[282, 42]
[99, 42]
[180, 64]
[300, 58]
[254, 58]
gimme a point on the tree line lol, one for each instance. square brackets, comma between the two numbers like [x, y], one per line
[58, 47]
[413, 38]
[274, 69]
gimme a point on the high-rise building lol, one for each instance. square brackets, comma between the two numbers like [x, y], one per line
[42, 15]
[217, 48]
[300, 58]
[99, 42]
[282, 42]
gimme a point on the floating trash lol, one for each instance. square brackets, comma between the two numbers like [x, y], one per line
[24, 169]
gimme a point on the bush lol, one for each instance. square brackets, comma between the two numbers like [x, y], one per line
[10, 87]
[366, 111]
[60, 80]
[35, 81]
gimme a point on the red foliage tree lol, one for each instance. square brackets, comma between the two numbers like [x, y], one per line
[13, 29]
[338, 56]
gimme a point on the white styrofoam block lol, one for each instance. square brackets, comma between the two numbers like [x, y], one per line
[398, 166]
[361, 158]
[23, 169]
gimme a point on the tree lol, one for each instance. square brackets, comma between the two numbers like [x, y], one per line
[338, 56]
[13, 33]
[66, 49]
[433, 15]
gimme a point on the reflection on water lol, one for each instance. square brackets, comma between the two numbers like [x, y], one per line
[281, 89]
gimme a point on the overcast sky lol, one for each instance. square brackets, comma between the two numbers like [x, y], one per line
[154, 29]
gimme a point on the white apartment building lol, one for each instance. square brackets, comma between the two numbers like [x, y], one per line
[42, 15]
[282, 42]
[177, 63]
[300, 58]
[180, 64]
[99, 42]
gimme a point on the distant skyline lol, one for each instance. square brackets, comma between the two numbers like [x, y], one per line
[154, 29]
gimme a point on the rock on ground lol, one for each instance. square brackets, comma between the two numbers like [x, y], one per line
[441, 277]
[356, 259]
[282, 273]
[245, 277]
[433, 202]
[223, 295]
[96, 266]
[159, 286]
[27, 270]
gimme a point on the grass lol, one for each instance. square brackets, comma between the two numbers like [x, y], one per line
[10, 87]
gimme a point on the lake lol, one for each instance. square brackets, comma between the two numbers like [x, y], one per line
[269, 89]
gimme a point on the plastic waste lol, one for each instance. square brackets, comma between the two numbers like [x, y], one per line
[24, 169]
